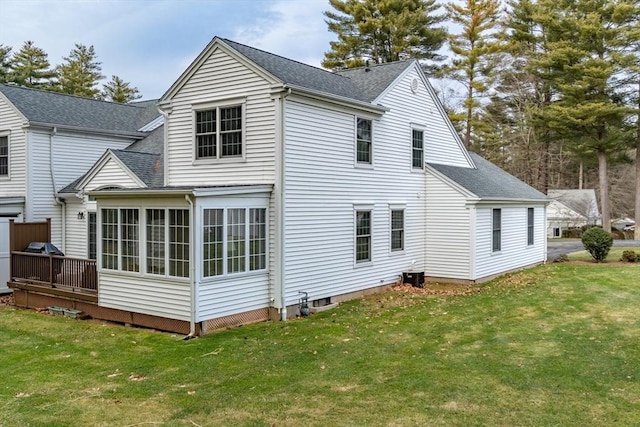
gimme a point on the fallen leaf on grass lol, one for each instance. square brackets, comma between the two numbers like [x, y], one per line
[22, 394]
[136, 377]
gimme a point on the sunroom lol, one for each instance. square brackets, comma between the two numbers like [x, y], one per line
[197, 255]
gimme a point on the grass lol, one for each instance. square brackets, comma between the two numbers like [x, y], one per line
[614, 254]
[554, 345]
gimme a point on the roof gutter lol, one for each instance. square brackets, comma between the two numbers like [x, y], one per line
[128, 134]
[336, 99]
[491, 201]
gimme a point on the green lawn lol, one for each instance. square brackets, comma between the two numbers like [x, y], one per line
[614, 254]
[557, 345]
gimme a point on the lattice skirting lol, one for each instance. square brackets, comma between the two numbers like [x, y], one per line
[245, 318]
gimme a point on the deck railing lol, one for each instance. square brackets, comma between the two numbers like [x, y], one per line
[75, 274]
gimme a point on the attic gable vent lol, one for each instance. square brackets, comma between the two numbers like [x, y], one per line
[414, 85]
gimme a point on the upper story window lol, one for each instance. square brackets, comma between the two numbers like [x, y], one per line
[218, 132]
[4, 155]
[417, 149]
[364, 141]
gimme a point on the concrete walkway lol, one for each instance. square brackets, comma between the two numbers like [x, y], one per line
[557, 247]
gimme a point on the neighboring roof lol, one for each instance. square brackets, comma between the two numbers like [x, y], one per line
[144, 158]
[487, 181]
[582, 201]
[372, 80]
[57, 109]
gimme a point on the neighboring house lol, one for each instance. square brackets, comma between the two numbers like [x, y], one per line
[277, 179]
[48, 139]
[571, 209]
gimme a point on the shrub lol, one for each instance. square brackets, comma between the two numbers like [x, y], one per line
[597, 242]
[561, 258]
[630, 256]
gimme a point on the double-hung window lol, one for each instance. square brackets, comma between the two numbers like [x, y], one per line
[219, 132]
[121, 239]
[167, 242]
[4, 155]
[364, 141]
[234, 241]
[530, 226]
[363, 236]
[417, 149]
[397, 230]
[496, 226]
[92, 233]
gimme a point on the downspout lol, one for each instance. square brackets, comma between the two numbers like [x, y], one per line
[280, 205]
[192, 269]
[60, 202]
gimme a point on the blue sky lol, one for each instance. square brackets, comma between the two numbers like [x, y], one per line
[150, 42]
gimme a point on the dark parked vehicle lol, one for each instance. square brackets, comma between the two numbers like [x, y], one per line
[48, 249]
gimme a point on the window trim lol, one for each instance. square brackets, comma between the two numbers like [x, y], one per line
[141, 241]
[395, 208]
[247, 227]
[496, 249]
[531, 219]
[217, 105]
[356, 209]
[92, 245]
[417, 128]
[7, 134]
[358, 163]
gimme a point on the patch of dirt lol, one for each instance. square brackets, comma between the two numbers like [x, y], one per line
[437, 289]
[6, 300]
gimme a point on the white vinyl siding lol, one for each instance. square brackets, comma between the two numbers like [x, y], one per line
[514, 252]
[222, 78]
[11, 125]
[76, 231]
[323, 191]
[111, 175]
[441, 144]
[84, 149]
[449, 236]
[143, 292]
[231, 293]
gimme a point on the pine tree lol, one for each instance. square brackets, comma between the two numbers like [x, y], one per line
[476, 51]
[30, 67]
[589, 39]
[5, 63]
[81, 73]
[117, 90]
[383, 31]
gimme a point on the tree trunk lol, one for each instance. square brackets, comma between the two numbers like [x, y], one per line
[581, 176]
[636, 234]
[467, 135]
[604, 190]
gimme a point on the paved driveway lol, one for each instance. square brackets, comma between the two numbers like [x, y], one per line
[557, 247]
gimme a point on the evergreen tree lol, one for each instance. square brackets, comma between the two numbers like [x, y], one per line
[81, 73]
[383, 31]
[5, 63]
[589, 38]
[30, 67]
[476, 51]
[117, 90]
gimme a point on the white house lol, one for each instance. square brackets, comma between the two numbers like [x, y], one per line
[281, 178]
[277, 179]
[571, 209]
[48, 139]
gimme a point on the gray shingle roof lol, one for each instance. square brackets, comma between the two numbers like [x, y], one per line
[488, 181]
[353, 85]
[144, 158]
[582, 201]
[58, 109]
[147, 166]
[373, 80]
